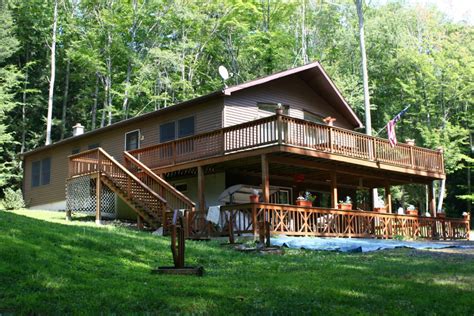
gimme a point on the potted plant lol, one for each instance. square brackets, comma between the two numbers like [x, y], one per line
[381, 209]
[465, 215]
[306, 200]
[441, 214]
[254, 197]
[379, 205]
[411, 210]
[345, 205]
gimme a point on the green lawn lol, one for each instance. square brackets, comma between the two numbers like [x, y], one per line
[49, 266]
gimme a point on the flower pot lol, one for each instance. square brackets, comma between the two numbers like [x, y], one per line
[254, 198]
[441, 215]
[345, 207]
[412, 212]
[304, 203]
[380, 209]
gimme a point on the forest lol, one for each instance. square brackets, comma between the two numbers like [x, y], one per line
[101, 61]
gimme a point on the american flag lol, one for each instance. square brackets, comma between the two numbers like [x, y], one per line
[392, 137]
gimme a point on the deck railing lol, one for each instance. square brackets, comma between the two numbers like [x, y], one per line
[309, 221]
[174, 198]
[284, 130]
[97, 161]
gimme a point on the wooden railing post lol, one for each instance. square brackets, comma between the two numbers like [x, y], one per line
[254, 219]
[98, 192]
[279, 126]
[173, 148]
[374, 148]
[412, 157]
[222, 141]
[99, 160]
[331, 139]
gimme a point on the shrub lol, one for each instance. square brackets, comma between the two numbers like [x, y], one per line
[13, 199]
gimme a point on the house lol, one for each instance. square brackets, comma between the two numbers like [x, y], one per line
[286, 133]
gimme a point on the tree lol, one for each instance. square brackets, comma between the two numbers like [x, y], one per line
[9, 82]
[52, 78]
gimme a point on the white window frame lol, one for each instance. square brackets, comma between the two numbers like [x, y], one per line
[125, 138]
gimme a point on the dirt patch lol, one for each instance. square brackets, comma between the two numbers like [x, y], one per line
[463, 249]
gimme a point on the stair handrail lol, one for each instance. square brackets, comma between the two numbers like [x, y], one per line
[162, 182]
[131, 175]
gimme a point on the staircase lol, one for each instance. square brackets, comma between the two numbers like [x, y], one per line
[147, 194]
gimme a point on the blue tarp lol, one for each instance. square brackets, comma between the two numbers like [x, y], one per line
[352, 244]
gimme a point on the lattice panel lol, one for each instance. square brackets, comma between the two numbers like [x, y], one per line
[81, 197]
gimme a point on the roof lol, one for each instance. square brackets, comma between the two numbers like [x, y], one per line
[312, 73]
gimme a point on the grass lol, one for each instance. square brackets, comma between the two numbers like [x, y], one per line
[49, 266]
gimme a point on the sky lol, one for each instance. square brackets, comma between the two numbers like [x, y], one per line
[457, 10]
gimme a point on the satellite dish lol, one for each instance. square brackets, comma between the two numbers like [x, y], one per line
[223, 73]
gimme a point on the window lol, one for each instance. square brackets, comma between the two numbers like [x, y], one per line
[75, 151]
[181, 187]
[41, 172]
[315, 118]
[45, 171]
[35, 173]
[132, 140]
[92, 146]
[167, 132]
[186, 127]
[272, 107]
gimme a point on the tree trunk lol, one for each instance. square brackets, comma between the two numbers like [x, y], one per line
[365, 76]
[104, 110]
[441, 196]
[127, 86]
[66, 92]
[304, 48]
[94, 105]
[23, 106]
[52, 78]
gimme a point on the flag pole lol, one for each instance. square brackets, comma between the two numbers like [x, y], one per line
[385, 126]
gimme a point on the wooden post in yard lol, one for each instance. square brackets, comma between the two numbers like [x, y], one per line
[98, 191]
[265, 180]
[139, 222]
[201, 196]
[431, 199]
[388, 198]
[333, 190]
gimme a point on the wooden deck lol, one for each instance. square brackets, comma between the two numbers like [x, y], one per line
[310, 221]
[283, 133]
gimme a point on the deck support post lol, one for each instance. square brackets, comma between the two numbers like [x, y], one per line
[333, 190]
[265, 179]
[371, 198]
[431, 199]
[388, 198]
[201, 186]
[98, 198]
[139, 222]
